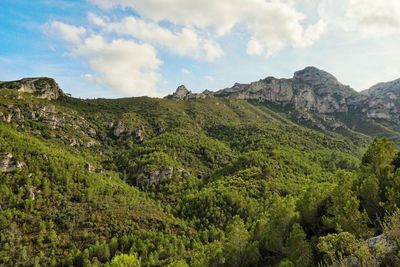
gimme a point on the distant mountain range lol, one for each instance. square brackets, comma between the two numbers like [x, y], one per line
[318, 99]
[313, 97]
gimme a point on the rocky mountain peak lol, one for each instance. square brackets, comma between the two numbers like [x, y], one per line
[384, 88]
[322, 82]
[42, 87]
[180, 93]
[314, 76]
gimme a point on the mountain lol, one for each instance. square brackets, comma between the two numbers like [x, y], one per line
[316, 98]
[310, 89]
[278, 172]
[382, 101]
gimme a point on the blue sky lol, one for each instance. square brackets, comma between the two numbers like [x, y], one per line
[104, 48]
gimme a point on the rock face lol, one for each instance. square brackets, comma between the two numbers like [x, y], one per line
[310, 89]
[182, 93]
[45, 88]
[144, 181]
[123, 132]
[382, 101]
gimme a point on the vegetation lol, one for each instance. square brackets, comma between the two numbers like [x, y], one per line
[208, 182]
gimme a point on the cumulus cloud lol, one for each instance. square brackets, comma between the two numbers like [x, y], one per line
[123, 65]
[68, 32]
[185, 41]
[370, 18]
[277, 26]
[273, 25]
[222, 14]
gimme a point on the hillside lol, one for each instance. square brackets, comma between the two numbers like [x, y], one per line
[280, 172]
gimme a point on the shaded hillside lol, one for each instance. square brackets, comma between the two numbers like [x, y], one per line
[210, 181]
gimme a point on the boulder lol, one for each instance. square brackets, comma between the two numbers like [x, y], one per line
[9, 164]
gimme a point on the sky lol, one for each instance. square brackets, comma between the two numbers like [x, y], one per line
[120, 48]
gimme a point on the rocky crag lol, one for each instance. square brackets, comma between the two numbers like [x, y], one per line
[320, 100]
[42, 87]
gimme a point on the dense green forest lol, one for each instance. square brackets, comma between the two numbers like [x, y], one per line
[204, 182]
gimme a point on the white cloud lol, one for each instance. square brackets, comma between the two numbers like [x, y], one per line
[123, 65]
[186, 71]
[68, 32]
[273, 25]
[184, 42]
[221, 15]
[370, 18]
[277, 26]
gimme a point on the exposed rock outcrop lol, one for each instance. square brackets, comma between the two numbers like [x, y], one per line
[382, 101]
[90, 168]
[318, 93]
[310, 89]
[9, 164]
[123, 132]
[42, 87]
[182, 93]
[144, 181]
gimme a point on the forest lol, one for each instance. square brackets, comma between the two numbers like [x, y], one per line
[208, 182]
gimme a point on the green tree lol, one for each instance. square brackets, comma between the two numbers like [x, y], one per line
[125, 260]
[179, 263]
[343, 211]
[341, 250]
[377, 183]
[391, 239]
[370, 197]
[298, 249]
[237, 240]
[280, 216]
[380, 152]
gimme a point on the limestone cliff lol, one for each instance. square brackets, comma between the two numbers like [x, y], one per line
[310, 89]
[45, 88]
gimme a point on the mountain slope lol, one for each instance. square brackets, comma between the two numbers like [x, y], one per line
[197, 182]
[317, 99]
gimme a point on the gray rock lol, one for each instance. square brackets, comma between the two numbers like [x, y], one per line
[89, 167]
[99, 170]
[92, 132]
[182, 93]
[42, 87]
[8, 118]
[381, 101]
[118, 129]
[9, 164]
[144, 181]
[310, 89]
[139, 134]
[32, 115]
[379, 242]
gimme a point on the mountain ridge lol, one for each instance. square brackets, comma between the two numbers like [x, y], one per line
[313, 97]
[320, 100]
[183, 183]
